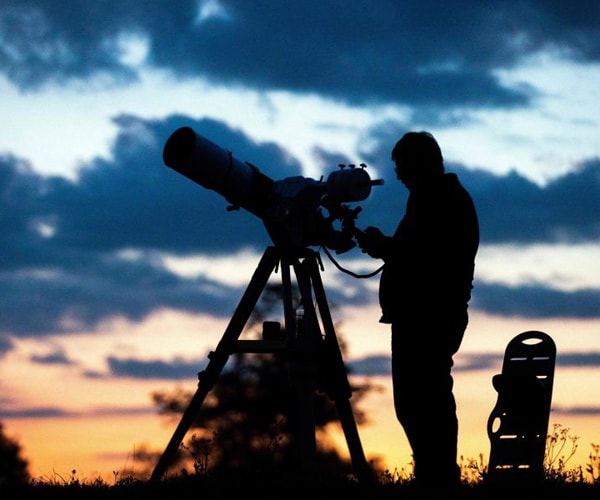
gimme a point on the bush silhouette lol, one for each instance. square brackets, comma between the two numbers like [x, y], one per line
[247, 421]
[13, 467]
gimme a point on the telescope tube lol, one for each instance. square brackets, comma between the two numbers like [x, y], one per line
[214, 168]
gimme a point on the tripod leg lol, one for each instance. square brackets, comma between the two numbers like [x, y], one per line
[337, 383]
[219, 357]
[303, 373]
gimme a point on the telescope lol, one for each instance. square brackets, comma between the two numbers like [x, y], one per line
[297, 211]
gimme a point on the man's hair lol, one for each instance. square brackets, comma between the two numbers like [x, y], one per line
[420, 148]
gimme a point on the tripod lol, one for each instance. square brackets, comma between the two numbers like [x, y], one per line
[315, 360]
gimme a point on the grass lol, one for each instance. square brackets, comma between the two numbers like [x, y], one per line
[559, 481]
[269, 486]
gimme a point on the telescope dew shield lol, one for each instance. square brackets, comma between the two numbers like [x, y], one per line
[214, 168]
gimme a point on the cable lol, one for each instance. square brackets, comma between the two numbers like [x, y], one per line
[351, 273]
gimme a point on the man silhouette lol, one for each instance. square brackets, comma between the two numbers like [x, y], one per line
[424, 291]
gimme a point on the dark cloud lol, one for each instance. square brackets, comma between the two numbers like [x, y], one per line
[578, 359]
[378, 365]
[53, 297]
[6, 344]
[134, 194]
[422, 53]
[479, 361]
[37, 412]
[582, 411]
[535, 301]
[465, 362]
[62, 268]
[176, 369]
[58, 412]
[57, 357]
[511, 207]
[514, 209]
[76, 252]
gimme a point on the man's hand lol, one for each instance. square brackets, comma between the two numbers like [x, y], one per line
[371, 241]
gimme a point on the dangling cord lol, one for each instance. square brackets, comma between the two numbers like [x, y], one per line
[351, 273]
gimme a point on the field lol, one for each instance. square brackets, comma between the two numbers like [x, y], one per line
[286, 486]
[316, 480]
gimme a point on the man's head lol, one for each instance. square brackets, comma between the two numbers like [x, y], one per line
[418, 159]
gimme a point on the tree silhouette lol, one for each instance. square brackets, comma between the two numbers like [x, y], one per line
[247, 421]
[13, 467]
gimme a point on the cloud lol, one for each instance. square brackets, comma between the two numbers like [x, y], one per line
[6, 344]
[65, 244]
[370, 365]
[511, 208]
[57, 357]
[535, 301]
[37, 412]
[578, 359]
[78, 252]
[428, 53]
[584, 411]
[133, 200]
[380, 364]
[514, 209]
[176, 369]
[49, 412]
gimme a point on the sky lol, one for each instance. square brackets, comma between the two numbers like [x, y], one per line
[119, 275]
